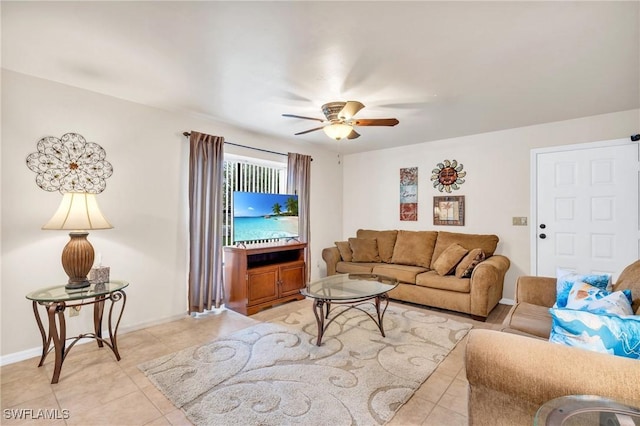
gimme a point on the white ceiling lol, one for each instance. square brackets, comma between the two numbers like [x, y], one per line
[444, 69]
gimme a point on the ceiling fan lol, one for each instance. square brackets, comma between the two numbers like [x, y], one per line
[339, 120]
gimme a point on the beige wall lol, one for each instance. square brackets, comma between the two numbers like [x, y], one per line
[145, 199]
[497, 184]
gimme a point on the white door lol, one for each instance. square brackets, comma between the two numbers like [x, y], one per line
[585, 208]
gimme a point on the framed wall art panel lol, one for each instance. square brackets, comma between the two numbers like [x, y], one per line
[448, 210]
[409, 194]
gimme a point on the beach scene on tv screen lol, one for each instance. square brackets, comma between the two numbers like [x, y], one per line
[260, 216]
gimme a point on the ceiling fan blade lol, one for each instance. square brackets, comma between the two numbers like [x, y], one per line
[300, 116]
[308, 131]
[376, 122]
[350, 109]
[353, 135]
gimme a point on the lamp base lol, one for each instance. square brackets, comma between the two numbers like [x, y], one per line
[77, 259]
[77, 285]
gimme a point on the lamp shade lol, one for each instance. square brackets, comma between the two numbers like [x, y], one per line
[78, 211]
[337, 131]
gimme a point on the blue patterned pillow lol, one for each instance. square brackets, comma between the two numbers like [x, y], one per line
[585, 297]
[610, 334]
[566, 280]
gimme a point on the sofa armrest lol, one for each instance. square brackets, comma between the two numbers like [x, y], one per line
[487, 281]
[331, 256]
[536, 290]
[504, 368]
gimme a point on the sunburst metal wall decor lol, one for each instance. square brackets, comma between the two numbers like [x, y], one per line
[70, 164]
[448, 175]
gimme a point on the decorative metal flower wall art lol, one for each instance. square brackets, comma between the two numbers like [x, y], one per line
[70, 164]
[448, 175]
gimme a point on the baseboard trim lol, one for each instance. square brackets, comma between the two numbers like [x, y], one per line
[507, 301]
[37, 352]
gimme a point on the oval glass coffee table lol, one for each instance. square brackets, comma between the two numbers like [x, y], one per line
[353, 290]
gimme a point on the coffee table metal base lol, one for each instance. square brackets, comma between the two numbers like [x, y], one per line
[353, 304]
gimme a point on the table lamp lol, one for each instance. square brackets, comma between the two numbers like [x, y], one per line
[78, 212]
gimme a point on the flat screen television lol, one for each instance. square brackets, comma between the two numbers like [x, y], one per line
[260, 217]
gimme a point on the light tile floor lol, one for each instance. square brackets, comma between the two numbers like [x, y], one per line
[95, 389]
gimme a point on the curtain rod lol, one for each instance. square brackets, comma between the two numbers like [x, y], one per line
[187, 134]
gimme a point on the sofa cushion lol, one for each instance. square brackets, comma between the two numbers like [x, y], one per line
[448, 282]
[403, 273]
[364, 250]
[355, 268]
[345, 250]
[414, 248]
[629, 279]
[386, 241]
[448, 259]
[469, 262]
[529, 318]
[612, 334]
[487, 243]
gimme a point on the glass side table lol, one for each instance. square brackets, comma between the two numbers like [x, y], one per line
[57, 299]
[586, 410]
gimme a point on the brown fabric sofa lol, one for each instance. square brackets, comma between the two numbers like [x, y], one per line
[511, 373]
[420, 261]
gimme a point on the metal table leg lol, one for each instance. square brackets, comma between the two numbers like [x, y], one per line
[317, 310]
[58, 335]
[98, 310]
[46, 339]
[113, 331]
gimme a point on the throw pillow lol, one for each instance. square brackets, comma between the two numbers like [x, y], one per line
[585, 297]
[447, 261]
[566, 279]
[470, 261]
[487, 242]
[364, 249]
[610, 334]
[345, 250]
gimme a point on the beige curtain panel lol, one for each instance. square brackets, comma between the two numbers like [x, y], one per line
[299, 182]
[206, 159]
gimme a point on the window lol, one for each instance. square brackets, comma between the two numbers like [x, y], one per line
[248, 174]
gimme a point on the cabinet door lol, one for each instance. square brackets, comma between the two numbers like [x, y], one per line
[262, 285]
[291, 278]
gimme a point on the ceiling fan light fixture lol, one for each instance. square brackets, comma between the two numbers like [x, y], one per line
[339, 123]
[337, 131]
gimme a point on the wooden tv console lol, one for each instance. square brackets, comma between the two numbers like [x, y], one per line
[262, 275]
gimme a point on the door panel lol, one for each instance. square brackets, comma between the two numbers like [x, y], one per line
[586, 209]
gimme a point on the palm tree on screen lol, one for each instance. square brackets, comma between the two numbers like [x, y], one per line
[292, 206]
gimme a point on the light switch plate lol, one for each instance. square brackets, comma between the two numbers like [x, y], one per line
[519, 221]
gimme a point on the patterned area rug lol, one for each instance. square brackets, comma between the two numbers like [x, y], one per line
[274, 374]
